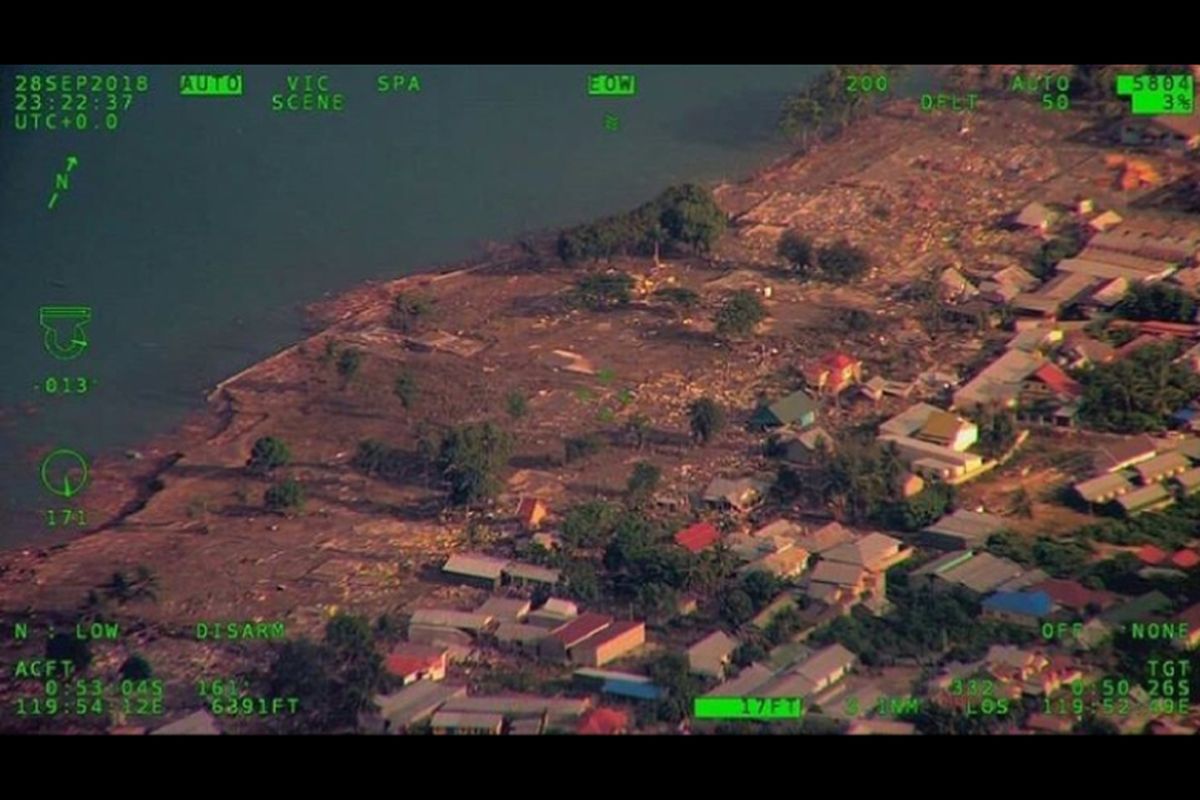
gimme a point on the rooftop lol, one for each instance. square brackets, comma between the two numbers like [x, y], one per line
[870, 551]
[476, 565]
[1035, 604]
[697, 537]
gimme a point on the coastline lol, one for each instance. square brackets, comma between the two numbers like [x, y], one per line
[375, 546]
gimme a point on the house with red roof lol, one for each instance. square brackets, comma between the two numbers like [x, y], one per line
[1185, 559]
[1151, 555]
[833, 373]
[1074, 596]
[603, 722]
[412, 662]
[1050, 382]
[698, 537]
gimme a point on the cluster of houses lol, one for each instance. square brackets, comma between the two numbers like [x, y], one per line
[1141, 474]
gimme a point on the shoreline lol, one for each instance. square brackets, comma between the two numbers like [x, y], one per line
[120, 482]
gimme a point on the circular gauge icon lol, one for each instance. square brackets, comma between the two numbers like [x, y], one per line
[64, 472]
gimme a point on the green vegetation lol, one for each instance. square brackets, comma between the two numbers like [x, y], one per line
[576, 448]
[856, 320]
[136, 668]
[842, 262]
[590, 524]
[748, 653]
[678, 296]
[1060, 558]
[65, 647]
[125, 588]
[827, 106]
[1157, 301]
[405, 387]
[410, 312]
[1137, 393]
[335, 680]
[642, 484]
[997, 430]
[267, 454]
[288, 494]
[681, 217]
[925, 625]
[378, 459]
[603, 291]
[348, 363]
[706, 419]
[469, 457]
[861, 483]
[797, 250]
[581, 581]
[516, 404]
[1067, 243]
[1168, 528]
[670, 672]
[740, 314]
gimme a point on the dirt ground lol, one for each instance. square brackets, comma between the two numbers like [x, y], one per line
[910, 188]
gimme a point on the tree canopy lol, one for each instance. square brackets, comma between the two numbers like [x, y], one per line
[706, 419]
[267, 454]
[842, 262]
[1137, 393]
[1157, 301]
[797, 250]
[285, 495]
[335, 680]
[740, 314]
[604, 290]
[642, 484]
[470, 458]
[683, 216]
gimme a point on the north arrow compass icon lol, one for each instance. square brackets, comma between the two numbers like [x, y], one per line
[64, 472]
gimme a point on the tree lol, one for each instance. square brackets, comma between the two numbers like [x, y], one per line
[136, 668]
[581, 581]
[334, 680]
[748, 653]
[637, 429]
[735, 607]
[590, 524]
[348, 363]
[1022, 504]
[706, 419]
[470, 458]
[603, 291]
[740, 314]
[671, 672]
[1137, 393]
[267, 454]
[65, 647]
[797, 250]
[576, 448]
[842, 261]
[761, 587]
[405, 388]
[410, 312]
[642, 484]
[516, 404]
[285, 495]
[679, 296]
[690, 216]
[1157, 301]
[125, 588]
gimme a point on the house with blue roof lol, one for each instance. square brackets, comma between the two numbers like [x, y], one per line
[1020, 608]
[619, 684]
